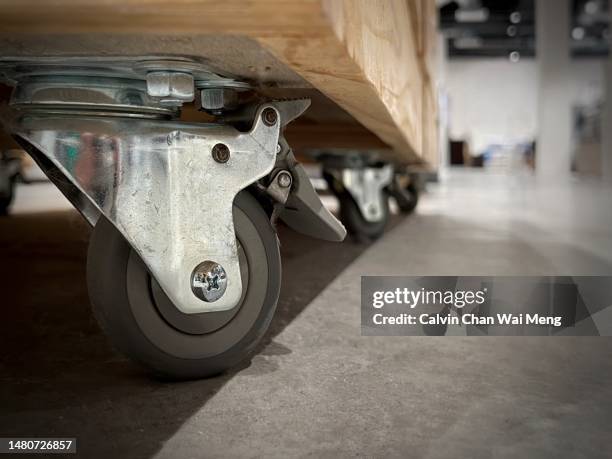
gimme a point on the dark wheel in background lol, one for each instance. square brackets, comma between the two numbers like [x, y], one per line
[7, 191]
[141, 321]
[407, 198]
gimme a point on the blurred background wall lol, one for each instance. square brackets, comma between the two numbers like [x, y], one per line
[523, 84]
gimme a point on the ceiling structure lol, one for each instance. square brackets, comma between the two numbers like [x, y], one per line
[506, 28]
[590, 31]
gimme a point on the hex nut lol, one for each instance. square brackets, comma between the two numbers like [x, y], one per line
[219, 99]
[269, 116]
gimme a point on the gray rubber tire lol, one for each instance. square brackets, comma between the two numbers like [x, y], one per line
[129, 305]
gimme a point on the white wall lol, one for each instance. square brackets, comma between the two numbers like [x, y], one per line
[495, 100]
[588, 76]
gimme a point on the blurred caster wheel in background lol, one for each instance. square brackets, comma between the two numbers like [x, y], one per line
[357, 226]
[360, 228]
[406, 198]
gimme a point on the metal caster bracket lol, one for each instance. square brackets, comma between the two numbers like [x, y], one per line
[167, 186]
[356, 175]
[160, 184]
[366, 186]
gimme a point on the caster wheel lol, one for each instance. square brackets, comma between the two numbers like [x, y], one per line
[142, 322]
[361, 229]
[357, 226]
[406, 197]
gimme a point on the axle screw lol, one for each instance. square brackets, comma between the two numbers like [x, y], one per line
[208, 281]
[269, 116]
[221, 153]
[284, 179]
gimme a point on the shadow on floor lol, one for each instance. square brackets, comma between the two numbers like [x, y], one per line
[58, 374]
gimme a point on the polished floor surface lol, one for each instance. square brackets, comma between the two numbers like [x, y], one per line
[317, 387]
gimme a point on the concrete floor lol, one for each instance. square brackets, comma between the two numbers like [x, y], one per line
[317, 388]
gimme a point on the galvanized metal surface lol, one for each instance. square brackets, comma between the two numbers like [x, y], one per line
[137, 83]
[160, 186]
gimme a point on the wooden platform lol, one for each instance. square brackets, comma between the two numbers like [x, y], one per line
[371, 58]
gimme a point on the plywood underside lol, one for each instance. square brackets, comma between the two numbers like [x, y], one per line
[343, 54]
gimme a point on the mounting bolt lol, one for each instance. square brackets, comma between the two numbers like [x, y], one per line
[269, 116]
[221, 153]
[217, 100]
[208, 281]
[284, 179]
